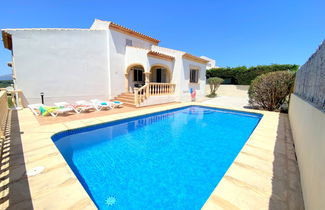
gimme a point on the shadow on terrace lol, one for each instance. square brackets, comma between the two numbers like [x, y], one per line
[286, 188]
[14, 189]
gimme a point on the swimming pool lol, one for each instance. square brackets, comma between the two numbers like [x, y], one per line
[167, 160]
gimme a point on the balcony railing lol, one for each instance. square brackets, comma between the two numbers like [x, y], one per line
[161, 88]
[152, 89]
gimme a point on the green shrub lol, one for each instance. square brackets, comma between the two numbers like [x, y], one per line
[5, 83]
[244, 76]
[269, 91]
[214, 83]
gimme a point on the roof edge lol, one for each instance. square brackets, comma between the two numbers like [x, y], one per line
[133, 33]
[160, 55]
[195, 58]
[7, 39]
[105, 25]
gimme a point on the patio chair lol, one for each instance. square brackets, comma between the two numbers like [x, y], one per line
[102, 104]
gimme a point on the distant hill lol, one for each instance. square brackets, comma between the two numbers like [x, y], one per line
[6, 77]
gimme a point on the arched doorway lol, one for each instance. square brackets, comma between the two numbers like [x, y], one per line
[160, 74]
[135, 77]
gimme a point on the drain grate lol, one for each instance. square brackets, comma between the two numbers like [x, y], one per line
[35, 171]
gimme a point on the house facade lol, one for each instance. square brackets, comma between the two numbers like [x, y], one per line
[106, 61]
[211, 64]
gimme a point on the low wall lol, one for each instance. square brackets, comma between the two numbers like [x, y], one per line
[308, 129]
[154, 100]
[3, 111]
[231, 90]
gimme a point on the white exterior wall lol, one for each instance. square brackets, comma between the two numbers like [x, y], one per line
[136, 56]
[181, 75]
[66, 65]
[90, 63]
[160, 62]
[185, 84]
[178, 66]
[211, 63]
[117, 43]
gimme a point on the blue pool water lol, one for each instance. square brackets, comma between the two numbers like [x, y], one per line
[168, 160]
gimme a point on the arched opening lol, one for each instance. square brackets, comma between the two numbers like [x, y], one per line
[160, 74]
[135, 77]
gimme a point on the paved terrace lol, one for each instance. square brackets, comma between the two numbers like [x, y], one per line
[264, 175]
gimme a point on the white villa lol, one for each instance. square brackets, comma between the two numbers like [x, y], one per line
[106, 61]
[211, 64]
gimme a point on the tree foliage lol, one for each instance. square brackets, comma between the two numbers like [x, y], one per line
[244, 76]
[5, 83]
[214, 83]
[269, 91]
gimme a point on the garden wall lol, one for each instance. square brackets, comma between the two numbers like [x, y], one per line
[307, 120]
[231, 90]
[3, 111]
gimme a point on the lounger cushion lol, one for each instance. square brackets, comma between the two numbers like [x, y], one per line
[47, 110]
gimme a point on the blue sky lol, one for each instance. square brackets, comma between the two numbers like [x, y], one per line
[234, 32]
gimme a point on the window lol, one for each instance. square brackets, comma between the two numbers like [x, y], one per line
[138, 75]
[128, 42]
[194, 76]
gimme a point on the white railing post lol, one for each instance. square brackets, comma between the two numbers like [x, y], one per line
[135, 96]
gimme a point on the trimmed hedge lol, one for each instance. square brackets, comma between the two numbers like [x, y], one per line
[244, 76]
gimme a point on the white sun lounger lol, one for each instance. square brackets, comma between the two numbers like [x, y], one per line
[102, 104]
[85, 105]
[64, 110]
[35, 108]
[68, 105]
[117, 103]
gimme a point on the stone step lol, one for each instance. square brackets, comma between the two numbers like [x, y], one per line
[127, 94]
[125, 97]
[125, 100]
[128, 104]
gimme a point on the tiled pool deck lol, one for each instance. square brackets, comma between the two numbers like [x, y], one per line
[264, 175]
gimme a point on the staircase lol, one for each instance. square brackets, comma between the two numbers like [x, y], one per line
[126, 98]
[143, 93]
